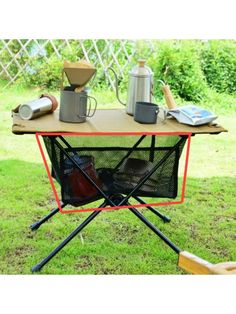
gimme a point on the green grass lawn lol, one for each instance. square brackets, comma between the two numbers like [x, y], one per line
[116, 242]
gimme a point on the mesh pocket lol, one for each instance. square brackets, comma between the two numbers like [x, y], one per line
[116, 169]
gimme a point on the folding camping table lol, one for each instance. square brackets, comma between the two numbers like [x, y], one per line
[109, 172]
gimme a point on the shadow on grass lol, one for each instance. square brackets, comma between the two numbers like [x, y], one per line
[115, 242]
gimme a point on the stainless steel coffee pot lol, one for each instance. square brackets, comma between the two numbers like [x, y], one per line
[140, 86]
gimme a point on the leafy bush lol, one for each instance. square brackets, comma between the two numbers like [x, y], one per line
[178, 64]
[44, 75]
[218, 61]
[190, 67]
[47, 74]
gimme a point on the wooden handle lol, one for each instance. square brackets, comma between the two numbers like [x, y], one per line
[79, 89]
[227, 268]
[53, 100]
[196, 265]
[193, 264]
[170, 102]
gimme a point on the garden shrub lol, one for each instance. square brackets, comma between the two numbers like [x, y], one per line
[178, 64]
[190, 67]
[47, 74]
[218, 61]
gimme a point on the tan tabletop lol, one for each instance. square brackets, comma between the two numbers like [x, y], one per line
[107, 121]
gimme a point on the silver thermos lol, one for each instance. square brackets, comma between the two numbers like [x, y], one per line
[140, 86]
[38, 107]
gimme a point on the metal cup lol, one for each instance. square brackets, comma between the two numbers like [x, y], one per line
[74, 108]
[146, 112]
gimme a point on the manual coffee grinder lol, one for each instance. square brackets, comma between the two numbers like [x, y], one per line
[75, 103]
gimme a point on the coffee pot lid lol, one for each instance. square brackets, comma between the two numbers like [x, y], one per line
[141, 70]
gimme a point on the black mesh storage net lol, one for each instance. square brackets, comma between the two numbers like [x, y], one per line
[116, 164]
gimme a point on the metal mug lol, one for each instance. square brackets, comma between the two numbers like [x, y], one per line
[73, 106]
[146, 112]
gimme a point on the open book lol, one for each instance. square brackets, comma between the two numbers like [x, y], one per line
[192, 115]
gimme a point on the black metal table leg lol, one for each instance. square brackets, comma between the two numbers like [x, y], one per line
[155, 230]
[117, 201]
[37, 224]
[152, 148]
[155, 211]
[67, 240]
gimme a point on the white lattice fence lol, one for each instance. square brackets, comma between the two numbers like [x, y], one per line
[16, 55]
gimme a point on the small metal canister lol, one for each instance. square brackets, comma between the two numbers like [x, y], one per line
[45, 104]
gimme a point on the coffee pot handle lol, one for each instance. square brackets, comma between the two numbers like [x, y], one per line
[116, 86]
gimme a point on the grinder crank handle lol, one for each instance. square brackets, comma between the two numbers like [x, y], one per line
[170, 102]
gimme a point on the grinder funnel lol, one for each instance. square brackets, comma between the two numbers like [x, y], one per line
[78, 73]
